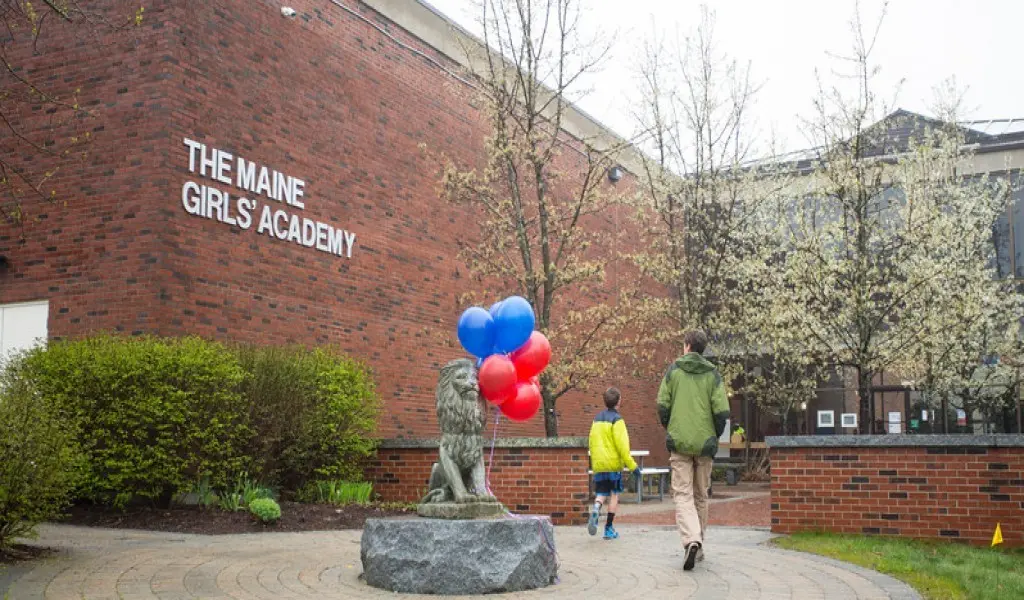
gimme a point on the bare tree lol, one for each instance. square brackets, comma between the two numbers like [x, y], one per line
[542, 199]
[704, 199]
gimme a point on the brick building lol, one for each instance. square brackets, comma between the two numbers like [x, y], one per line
[261, 178]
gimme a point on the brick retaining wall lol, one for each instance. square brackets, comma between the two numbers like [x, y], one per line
[536, 476]
[922, 486]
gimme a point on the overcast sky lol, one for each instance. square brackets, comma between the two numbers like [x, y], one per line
[922, 43]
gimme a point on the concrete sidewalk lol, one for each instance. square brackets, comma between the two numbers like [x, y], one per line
[646, 562]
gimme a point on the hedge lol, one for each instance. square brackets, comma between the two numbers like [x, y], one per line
[156, 415]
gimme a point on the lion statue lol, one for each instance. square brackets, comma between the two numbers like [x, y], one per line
[458, 475]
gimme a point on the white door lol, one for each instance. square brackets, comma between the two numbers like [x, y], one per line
[22, 326]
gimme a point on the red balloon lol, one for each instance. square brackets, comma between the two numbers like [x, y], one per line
[535, 380]
[497, 379]
[532, 357]
[525, 403]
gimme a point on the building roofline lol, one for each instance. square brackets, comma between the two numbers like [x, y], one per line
[435, 29]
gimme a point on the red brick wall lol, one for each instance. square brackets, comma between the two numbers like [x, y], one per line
[537, 481]
[957, 493]
[95, 251]
[325, 97]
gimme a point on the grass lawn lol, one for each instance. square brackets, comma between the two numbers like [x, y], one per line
[937, 570]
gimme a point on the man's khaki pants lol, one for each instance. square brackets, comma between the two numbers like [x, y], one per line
[691, 478]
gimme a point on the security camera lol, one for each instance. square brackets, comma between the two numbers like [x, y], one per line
[287, 11]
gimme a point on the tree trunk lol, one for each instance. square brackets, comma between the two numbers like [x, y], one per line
[550, 419]
[864, 397]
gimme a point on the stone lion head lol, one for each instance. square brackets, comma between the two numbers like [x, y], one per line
[458, 379]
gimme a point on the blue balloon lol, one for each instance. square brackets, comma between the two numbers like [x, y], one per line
[476, 331]
[494, 308]
[513, 323]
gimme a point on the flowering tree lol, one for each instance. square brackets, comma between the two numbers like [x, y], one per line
[886, 240]
[542, 199]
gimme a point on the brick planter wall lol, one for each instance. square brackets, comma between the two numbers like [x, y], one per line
[539, 476]
[923, 486]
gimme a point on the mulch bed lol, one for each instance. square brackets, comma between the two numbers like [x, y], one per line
[19, 553]
[189, 519]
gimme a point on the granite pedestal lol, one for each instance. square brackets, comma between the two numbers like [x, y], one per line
[459, 557]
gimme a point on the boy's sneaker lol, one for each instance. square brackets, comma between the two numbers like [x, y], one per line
[700, 554]
[610, 533]
[595, 514]
[691, 556]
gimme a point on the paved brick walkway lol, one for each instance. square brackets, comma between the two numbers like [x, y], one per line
[95, 564]
[743, 511]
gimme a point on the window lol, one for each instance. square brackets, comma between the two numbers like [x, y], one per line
[1017, 218]
[22, 326]
[849, 419]
[826, 418]
[1001, 240]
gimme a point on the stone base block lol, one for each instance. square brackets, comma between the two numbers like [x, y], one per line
[481, 556]
[468, 510]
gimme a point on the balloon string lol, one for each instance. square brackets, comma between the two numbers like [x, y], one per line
[494, 440]
[511, 515]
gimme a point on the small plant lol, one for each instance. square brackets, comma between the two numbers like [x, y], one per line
[338, 492]
[244, 492]
[250, 490]
[205, 495]
[230, 501]
[265, 509]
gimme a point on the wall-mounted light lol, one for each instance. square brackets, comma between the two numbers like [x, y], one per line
[287, 11]
[615, 174]
[803, 406]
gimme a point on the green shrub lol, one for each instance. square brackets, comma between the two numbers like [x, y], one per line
[265, 509]
[154, 414]
[39, 460]
[158, 415]
[337, 492]
[315, 411]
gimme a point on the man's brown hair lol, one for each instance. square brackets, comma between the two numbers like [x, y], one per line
[696, 340]
[611, 397]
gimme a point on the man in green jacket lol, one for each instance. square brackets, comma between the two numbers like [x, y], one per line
[693, 408]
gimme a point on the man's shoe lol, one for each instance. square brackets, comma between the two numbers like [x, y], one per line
[610, 533]
[691, 556]
[700, 554]
[595, 514]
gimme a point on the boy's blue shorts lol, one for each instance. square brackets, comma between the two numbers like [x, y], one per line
[606, 484]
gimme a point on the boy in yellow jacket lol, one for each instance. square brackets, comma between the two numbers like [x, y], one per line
[609, 453]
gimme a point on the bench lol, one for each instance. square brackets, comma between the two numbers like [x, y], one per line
[659, 473]
[732, 468]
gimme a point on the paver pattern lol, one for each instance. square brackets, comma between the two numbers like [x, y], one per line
[646, 562]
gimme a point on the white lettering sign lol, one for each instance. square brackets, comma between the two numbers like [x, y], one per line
[211, 202]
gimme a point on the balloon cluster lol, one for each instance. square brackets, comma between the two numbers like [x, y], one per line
[510, 354]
